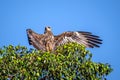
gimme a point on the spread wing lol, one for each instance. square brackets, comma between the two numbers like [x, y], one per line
[81, 37]
[35, 39]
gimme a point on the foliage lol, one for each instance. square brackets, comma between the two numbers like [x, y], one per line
[69, 62]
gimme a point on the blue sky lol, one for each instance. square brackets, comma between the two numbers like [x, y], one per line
[101, 17]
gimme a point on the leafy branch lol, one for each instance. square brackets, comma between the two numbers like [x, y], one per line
[70, 62]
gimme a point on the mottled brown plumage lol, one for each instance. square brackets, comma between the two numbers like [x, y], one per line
[49, 42]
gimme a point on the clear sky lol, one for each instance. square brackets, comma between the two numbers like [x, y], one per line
[101, 17]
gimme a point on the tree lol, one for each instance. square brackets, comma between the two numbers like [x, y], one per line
[69, 62]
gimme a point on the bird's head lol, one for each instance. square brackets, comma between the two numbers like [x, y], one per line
[47, 29]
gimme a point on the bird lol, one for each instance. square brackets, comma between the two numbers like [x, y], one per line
[49, 42]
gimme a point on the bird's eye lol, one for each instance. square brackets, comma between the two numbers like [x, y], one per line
[49, 27]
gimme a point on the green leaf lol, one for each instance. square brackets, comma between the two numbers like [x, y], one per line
[69, 62]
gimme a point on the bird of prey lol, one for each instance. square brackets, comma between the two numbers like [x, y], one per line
[49, 42]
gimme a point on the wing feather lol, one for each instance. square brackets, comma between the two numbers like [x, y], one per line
[35, 39]
[81, 37]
